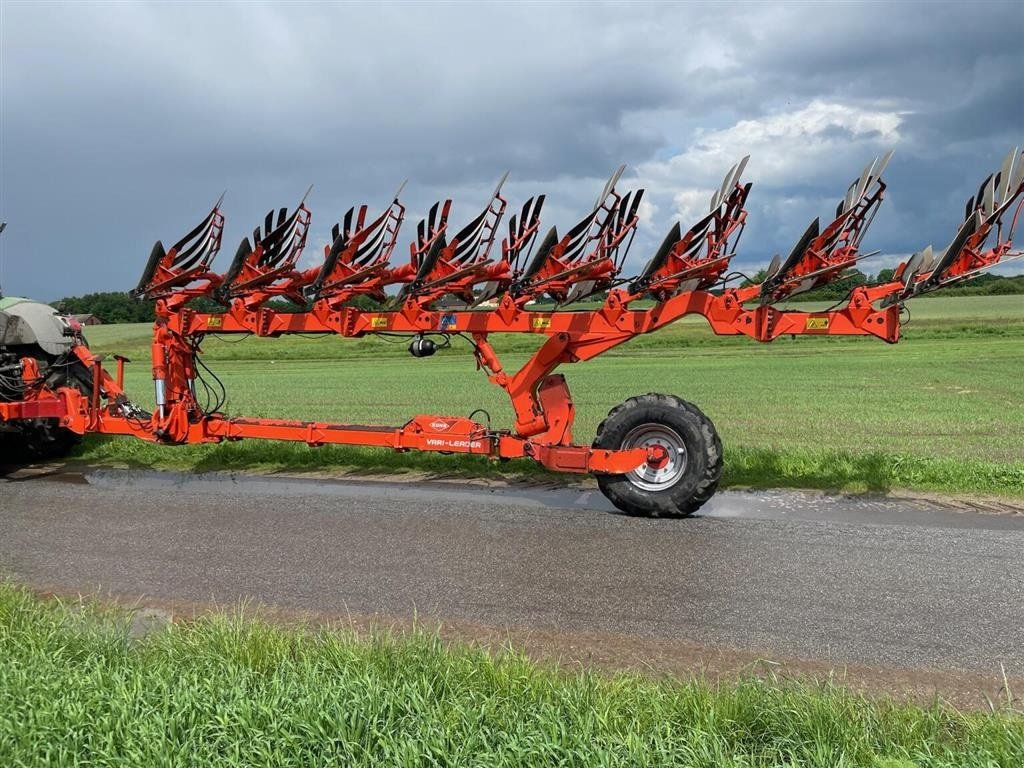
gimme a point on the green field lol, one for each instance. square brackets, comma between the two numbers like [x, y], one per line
[943, 410]
[77, 688]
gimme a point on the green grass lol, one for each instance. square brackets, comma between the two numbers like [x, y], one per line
[941, 411]
[76, 688]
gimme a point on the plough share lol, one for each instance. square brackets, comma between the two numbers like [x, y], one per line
[653, 455]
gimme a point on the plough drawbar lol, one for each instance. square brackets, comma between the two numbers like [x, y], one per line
[653, 455]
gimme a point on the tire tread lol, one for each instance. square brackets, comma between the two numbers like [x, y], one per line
[666, 503]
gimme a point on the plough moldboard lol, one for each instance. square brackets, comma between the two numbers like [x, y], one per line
[654, 454]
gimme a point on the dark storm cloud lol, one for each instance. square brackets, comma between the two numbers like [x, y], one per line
[121, 123]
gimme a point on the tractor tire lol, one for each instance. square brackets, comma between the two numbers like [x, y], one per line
[34, 440]
[46, 440]
[690, 475]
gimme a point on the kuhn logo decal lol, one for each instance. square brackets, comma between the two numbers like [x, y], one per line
[439, 425]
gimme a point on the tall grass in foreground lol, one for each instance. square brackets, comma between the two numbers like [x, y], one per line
[76, 689]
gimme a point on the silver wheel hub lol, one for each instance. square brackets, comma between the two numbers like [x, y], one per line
[666, 472]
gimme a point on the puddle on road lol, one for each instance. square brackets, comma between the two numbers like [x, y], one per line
[749, 505]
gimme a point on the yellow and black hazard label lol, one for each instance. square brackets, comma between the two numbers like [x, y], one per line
[379, 321]
[542, 322]
[816, 324]
[214, 322]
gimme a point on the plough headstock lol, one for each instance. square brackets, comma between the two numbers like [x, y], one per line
[966, 256]
[696, 260]
[820, 257]
[589, 257]
[187, 261]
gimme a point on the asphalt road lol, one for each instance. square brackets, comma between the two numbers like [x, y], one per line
[881, 583]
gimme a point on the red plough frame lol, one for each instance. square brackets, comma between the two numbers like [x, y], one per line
[687, 276]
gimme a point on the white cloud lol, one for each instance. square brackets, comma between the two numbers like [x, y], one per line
[796, 155]
[788, 147]
[691, 203]
[647, 213]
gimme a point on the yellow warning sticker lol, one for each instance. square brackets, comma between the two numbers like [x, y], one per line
[379, 321]
[816, 323]
[542, 322]
[214, 322]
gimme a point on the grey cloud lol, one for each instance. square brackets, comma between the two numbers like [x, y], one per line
[122, 122]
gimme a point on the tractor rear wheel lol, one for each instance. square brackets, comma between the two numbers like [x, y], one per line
[688, 475]
[31, 440]
[46, 439]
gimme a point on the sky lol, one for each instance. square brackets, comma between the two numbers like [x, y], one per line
[122, 123]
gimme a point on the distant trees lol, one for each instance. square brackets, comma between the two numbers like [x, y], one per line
[885, 275]
[833, 291]
[986, 285]
[110, 307]
[119, 307]
[983, 285]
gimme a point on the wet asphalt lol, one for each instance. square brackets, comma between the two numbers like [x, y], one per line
[891, 583]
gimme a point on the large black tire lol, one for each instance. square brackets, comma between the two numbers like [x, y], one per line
[45, 439]
[48, 440]
[37, 440]
[690, 476]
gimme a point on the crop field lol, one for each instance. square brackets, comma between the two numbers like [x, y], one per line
[943, 410]
[78, 687]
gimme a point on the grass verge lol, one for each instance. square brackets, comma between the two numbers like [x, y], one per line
[77, 689]
[828, 470]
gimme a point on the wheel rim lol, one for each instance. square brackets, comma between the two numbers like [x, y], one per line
[667, 473]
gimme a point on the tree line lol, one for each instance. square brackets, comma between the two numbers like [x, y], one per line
[120, 307]
[983, 285]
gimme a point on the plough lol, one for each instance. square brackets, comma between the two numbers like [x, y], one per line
[653, 455]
